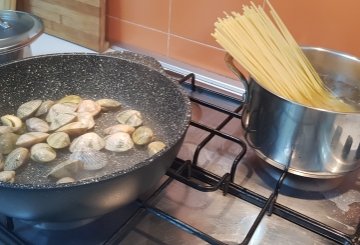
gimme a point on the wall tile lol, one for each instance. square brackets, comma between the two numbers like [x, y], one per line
[204, 56]
[119, 31]
[329, 24]
[195, 19]
[153, 14]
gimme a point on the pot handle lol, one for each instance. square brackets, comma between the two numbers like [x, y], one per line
[229, 60]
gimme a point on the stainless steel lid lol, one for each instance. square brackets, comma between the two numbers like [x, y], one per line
[18, 29]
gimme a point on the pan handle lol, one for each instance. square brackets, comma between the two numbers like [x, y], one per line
[229, 60]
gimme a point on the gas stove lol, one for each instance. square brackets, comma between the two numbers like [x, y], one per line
[217, 191]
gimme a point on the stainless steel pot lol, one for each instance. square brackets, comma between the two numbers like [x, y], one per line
[17, 31]
[310, 142]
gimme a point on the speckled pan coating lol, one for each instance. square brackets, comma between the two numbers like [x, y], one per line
[97, 76]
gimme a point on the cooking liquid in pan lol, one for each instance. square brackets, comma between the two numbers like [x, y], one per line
[35, 173]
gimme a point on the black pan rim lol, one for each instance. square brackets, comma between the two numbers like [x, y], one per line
[185, 122]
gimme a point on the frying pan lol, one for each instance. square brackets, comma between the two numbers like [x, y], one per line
[94, 76]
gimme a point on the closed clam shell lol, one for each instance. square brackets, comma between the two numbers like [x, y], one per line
[118, 142]
[59, 120]
[87, 119]
[16, 158]
[119, 128]
[2, 162]
[74, 128]
[108, 104]
[142, 135]
[7, 176]
[60, 108]
[6, 129]
[65, 180]
[32, 138]
[89, 106]
[28, 109]
[76, 99]
[44, 108]
[12, 121]
[42, 152]
[8, 142]
[91, 159]
[130, 117]
[35, 124]
[88, 141]
[155, 147]
[65, 169]
[58, 140]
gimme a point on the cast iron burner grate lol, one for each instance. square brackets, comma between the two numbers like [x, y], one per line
[189, 173]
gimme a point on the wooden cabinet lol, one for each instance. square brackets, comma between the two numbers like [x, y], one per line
[79, 21]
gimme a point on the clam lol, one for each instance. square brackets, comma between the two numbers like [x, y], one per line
[65, 180]
[75, 99]
[65, 169]
[119, 128]
[7, 176]
[91, 159]
[28, 109]
[74, 128]
[89, 106]
[130, 117]
[16, 158]
[108, 104]
[87, 119]
[59, 120]
[42, 152]
[12, 121]
[142, 135]
[35, 124]
[60, 108]
[44, 108]
[2, 161]
[118, 142]
[6, 129]
[155, 147]
[87, 141]
[8, 142]
[32, 138]
[58, 140]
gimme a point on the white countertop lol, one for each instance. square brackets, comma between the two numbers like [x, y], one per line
[47, 44]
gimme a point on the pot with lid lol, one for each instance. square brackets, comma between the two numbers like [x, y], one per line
[17, 31]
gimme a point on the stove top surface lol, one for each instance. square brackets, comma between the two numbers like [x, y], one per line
[252, 211]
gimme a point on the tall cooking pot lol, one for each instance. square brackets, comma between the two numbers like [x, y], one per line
[311, 142]
[17, 31]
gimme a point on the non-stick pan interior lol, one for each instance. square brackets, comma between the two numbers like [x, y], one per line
[165, 108]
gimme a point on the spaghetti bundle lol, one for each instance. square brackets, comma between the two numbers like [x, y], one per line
[267, 50]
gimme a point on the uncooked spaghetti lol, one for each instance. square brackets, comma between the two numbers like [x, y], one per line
[265, 48]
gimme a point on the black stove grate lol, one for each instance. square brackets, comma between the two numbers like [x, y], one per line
[196, 177]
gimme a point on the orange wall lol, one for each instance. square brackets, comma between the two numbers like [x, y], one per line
[180, 29]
